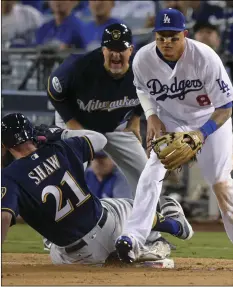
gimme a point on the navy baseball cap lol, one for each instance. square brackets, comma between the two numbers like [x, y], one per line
[117, 37]
[169, 20]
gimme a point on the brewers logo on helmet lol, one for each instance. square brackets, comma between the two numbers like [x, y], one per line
[116, 34]
[117, 37]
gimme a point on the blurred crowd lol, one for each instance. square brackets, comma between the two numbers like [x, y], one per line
[59, 25]
[79, 24]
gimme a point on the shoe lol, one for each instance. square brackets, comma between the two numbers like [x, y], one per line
[47, 244]
[158, 250]
[172, 246]
[186, 232]
[124, 248]
[171, 208]
[154, 236]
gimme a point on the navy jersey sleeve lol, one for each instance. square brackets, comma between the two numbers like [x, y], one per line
[10, 194]
[60, 87]
[82, 148]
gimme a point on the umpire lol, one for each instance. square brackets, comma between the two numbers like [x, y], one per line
[96, 92]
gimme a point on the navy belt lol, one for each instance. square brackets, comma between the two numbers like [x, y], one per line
[82, 243]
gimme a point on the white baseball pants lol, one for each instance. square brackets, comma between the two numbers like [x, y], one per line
[215, 162]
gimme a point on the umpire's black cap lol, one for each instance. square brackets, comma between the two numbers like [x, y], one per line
[117, 37]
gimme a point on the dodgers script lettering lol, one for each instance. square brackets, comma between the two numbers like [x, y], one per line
[178, 89]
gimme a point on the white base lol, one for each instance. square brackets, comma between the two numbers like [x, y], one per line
[164, 263]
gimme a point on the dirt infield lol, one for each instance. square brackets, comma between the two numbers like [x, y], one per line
[207, 226]
[36, 269]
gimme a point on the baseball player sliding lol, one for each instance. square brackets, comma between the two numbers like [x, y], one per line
[187, 80]
[45, 184]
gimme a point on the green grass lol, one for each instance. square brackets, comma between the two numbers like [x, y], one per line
[203, 245]
[23, 239]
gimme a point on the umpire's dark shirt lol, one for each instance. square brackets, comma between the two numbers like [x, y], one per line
[81, 88]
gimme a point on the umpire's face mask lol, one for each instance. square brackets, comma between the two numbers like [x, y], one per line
[115, 62]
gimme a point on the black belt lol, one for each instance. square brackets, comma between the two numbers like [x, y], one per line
[82, 243]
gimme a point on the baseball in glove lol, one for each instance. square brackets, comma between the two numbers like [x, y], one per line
[176, 149]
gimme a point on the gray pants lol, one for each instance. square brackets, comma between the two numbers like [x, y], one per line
[128, 154]
[100, 241]
[125, 150]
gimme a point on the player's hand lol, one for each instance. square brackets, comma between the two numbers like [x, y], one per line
[155, 128]
[200, 135]
[197, 133]
[133, 126]
[51, 133]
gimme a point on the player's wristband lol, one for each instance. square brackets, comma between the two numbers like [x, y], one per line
[208, 128]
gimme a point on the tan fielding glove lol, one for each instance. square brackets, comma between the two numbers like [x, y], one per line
[179, 148]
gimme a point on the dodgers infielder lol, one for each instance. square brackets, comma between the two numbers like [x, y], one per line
[189, 83]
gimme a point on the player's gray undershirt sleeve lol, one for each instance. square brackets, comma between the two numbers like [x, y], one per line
[97, 140]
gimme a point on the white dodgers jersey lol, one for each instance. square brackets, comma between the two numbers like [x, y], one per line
[196, 86]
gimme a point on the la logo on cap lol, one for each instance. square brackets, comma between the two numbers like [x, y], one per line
[166, 19]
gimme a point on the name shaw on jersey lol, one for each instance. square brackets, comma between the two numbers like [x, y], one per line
[178, 88]
[93, 105]
[46, 168]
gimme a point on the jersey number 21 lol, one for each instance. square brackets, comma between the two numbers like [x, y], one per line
[56, 191]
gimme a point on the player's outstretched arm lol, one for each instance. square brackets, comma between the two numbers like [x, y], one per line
[154, 125]
[218, 118]
[221, 115]
[97, 140]
[220, 92]
[6, 221]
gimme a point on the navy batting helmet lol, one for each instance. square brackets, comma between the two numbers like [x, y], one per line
[16, 129]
